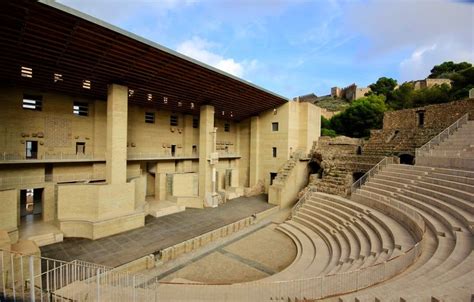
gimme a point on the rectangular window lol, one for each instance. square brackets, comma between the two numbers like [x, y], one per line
[31, 149]
[275, 126]
[32, 102]
[173, 150]
[274, 151]
[80, 148]
[173, 120]
[227, 127]
[150, 117]
[80, 108]
[421, 118]
[195, 122]
[195, 150]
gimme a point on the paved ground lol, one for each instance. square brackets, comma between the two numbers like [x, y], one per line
[157, 234]
[256, 255]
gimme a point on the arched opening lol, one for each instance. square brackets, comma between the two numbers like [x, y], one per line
[315, 168]
[357, 175]
[406, 159]
[359, 150]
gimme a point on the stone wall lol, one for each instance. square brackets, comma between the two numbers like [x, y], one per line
[338, 159]
[438, 116]
[403, 132]
[350, 93]
[428, 83]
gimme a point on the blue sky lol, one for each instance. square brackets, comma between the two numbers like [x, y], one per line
[295, 47]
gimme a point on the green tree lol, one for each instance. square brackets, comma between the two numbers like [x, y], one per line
[328, 132]
[434, 95]
[462, 82]
[364, 114]
[325, 123]
[402, 97]
[383, 86]
[448, 69]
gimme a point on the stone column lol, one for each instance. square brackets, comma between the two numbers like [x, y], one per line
[254, 150]
[188, 142]
[236, 161]
[116, 155]
[206, 126]
[49, 202]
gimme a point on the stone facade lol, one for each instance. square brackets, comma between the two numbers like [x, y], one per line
[405, 130]
[350, 93]
[428, 83]
[128, 159]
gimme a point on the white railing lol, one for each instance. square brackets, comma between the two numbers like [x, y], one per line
[225, 154]
[383, 163]
[31, 278]
[38, 278]
[19, 180]
[142, 155]
[443, 135]
[6, 156]
[58, 178]
[145, 155]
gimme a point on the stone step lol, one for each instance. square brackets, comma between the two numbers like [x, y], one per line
[47, 239]
[163, 208]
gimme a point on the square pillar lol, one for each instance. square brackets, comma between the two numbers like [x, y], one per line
[206, 127]
[254, 150]
[188, 142]
[116, 155]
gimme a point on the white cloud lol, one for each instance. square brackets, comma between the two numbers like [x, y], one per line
[432, 31]
[201, 50]
[419, 64]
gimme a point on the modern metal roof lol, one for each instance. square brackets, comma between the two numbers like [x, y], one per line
[68, 50]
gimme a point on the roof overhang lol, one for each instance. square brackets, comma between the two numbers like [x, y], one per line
[53, 39]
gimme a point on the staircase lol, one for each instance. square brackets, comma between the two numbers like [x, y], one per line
[285, 171]
[452, 148]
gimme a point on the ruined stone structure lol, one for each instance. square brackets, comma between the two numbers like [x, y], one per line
[337, 162]
[405, 130]
[428, 83]
[350, 93]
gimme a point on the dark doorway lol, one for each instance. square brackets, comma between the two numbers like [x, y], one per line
[357, 175]
[31, 149]
[272, 177]
[173, 150]
[359, 150]
[315, 168]
[406, 159]
[31, 205]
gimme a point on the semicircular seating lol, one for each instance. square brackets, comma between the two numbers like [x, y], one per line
[443, 198]
[405, 235]
[347, 235]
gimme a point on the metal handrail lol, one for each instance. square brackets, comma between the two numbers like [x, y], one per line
[302, 200]
[375, 169]
[78, 280]
[440, 137]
